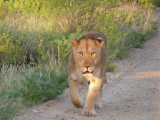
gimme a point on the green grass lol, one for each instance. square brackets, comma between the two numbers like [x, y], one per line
[41, 31]
[35, 36]
[9, 106]
[28, 87]
[155, 2]
[146, 3]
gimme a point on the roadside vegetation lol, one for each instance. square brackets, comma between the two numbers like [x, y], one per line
[35, 42]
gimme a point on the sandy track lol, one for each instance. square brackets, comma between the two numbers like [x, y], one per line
[132, 91]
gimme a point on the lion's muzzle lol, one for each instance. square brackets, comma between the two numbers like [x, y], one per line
[87, 69]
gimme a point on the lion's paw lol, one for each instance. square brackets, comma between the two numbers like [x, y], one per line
[89, 113]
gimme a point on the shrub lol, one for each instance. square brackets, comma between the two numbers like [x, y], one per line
[11, 51]
[28, 87]
[48, 30]
[155, 2]
[146, 3]
[8, 106]
[34, 85]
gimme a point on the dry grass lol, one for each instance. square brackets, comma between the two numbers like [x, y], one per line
[136, 16]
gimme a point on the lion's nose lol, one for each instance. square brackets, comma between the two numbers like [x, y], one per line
[87, 66]
[88, 69]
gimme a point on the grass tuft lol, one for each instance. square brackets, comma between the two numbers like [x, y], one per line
[28, 87]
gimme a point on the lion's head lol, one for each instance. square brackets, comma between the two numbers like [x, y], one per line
[87, 53]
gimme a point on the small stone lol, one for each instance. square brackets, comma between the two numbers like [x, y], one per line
[35, 110]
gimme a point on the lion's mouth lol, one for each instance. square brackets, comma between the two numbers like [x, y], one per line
[87, 72]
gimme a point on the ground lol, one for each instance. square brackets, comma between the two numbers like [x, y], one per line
[132, 91]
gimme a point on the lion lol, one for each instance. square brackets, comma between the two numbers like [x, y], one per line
[87, 67]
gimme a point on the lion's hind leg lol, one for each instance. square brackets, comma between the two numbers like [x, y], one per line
[84, 87]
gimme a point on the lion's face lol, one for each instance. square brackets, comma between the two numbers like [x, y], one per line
[87, 53]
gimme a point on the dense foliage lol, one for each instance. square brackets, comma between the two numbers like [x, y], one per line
[35, 42]
[43, 28]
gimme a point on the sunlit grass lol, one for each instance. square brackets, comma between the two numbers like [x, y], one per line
[36, 70]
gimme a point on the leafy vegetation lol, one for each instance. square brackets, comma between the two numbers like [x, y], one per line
[155, 2]
[146, 3]
[35, 42]
[43, 29]
[28, 87]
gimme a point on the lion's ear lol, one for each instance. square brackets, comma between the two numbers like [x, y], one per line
[99, 42]
[74, 42]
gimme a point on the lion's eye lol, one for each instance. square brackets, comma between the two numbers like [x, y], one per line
[93, 53]
[81, 53]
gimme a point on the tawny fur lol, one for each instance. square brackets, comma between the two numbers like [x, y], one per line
[87, 63]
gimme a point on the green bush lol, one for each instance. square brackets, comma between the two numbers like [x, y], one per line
[28, 87]
[34, 85]
[47, 27]
[147, 3]
[155, 2]
[11, 51]
[8, 106]
[64, 16]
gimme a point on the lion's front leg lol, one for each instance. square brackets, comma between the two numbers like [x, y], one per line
[94, 86]
[73, 86]
[98, 101]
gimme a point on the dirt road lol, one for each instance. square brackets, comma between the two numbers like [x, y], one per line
[132, 92]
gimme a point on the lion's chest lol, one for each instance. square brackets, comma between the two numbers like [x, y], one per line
[77, 75]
